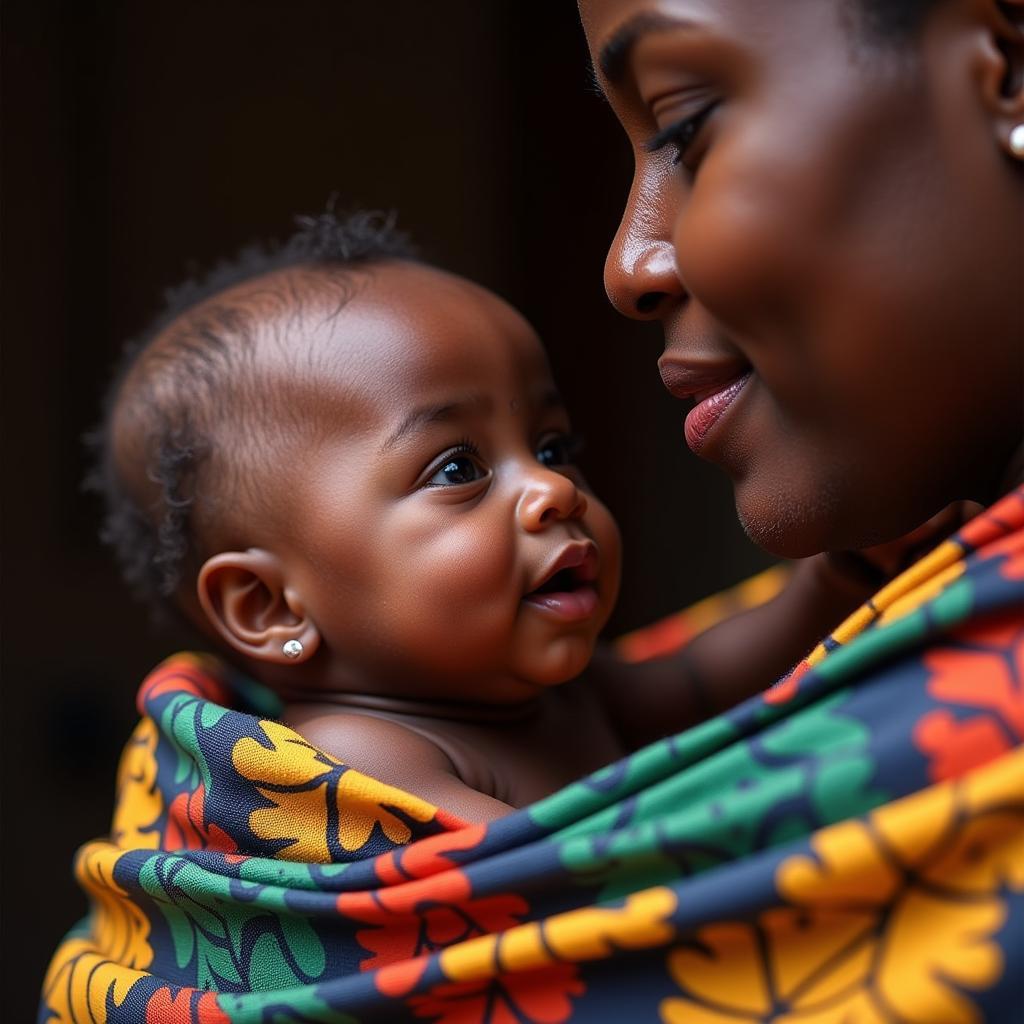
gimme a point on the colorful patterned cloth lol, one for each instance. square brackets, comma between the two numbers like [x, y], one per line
[848, 847]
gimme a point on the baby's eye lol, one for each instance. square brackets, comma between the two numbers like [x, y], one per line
[456, 470]
[558, 450]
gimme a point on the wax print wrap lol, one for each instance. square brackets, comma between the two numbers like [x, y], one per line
[847, 847]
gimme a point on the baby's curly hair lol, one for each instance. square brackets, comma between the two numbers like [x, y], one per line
[163, 410]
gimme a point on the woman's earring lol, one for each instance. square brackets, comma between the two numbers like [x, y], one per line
[1017, 141]
[291, 648]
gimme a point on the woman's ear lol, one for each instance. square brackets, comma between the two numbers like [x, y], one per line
[1002, 73]
[245, 599]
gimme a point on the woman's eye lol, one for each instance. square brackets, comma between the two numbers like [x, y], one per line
[682, 135]
[456, 470]
[558, 450]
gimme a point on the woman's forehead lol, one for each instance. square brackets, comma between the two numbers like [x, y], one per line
[615, 27]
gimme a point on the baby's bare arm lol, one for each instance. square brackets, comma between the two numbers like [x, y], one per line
[399, 757]
[747, 653]
[730, 662]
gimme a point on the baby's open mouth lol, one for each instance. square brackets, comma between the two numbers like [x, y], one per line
[567, 590]
[564, 581]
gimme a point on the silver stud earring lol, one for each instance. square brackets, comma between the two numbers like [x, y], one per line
[291, 648]
[1017, 141]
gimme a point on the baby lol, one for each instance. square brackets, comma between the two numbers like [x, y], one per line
[354, 473]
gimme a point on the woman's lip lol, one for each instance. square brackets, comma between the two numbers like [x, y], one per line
[699, 378]
[710, 408]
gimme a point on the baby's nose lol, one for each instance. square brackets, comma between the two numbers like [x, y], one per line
[549, 498]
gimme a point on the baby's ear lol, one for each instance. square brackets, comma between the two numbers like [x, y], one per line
[244, 597]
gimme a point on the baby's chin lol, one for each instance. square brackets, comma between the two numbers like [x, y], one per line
[557, 661]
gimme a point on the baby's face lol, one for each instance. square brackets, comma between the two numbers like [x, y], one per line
[439, 535]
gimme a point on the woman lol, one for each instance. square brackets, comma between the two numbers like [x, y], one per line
[825, 217]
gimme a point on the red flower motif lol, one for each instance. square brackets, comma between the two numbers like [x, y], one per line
[1011, 548]
[985, 674]
[419, 917]
[187, 828]
[658, 640]
[532, 997]
[427, 856]
[1007, 516]
[182, 673]
[186, 1006]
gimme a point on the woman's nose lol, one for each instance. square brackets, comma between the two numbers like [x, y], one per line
[548, 498]
[640, 273]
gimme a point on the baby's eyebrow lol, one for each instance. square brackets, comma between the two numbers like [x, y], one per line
[426, 415]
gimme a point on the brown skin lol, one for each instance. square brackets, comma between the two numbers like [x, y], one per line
[407, 579]
[846, 223]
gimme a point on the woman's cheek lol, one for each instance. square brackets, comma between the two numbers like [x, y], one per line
[733, 253]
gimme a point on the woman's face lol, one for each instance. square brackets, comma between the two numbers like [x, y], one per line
[829, 232]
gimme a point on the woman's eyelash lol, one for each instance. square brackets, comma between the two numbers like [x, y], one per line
[681, 134]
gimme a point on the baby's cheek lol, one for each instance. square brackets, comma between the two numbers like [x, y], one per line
[470, 563]
[601, 525]
[458, 591]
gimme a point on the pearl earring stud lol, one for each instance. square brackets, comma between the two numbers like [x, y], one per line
[291, 648]
[1017, 141]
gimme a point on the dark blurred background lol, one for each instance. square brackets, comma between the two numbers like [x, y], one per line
[143, 139]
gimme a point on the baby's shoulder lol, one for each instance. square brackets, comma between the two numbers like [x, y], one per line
[372, 744]
[397, 755]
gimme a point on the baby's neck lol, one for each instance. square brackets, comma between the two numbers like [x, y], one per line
[449, 710]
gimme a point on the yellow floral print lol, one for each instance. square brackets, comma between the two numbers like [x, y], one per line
[139, 803]
[108, 960]
[891, 919]
[308, 787]
[585, 934]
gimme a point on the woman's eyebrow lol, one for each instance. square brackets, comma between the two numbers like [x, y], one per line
[615, 52]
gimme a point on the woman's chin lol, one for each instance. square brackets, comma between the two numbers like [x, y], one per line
[776, 538]
[794, 521]
[790, 523]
